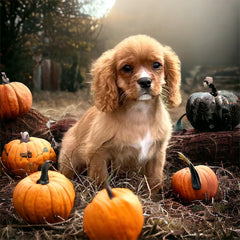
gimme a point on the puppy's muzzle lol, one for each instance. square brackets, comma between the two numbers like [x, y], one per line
[144, 82]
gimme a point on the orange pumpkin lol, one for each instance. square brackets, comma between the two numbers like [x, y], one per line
[194, 183]
[113, 214]
[26, 155]
[15, 99]
[46, 196]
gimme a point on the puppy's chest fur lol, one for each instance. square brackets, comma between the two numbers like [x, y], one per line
[143, 146]
[135, 141]
[134, 151]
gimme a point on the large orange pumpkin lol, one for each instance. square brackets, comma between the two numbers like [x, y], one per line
[46, 196]
[26, 155]
[194, 183]
[113, 214]
[15, 99]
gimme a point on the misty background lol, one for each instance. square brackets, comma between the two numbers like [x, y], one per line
[50, 44]
[201, 32]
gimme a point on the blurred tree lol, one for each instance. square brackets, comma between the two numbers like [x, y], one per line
[53, 29]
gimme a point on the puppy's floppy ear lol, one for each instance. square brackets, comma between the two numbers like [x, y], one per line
[172, 71]
[104, 86]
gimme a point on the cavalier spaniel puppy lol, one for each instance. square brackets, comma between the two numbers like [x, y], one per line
[128, 126]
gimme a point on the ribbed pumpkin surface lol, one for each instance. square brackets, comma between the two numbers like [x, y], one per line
[22, 158]
[118, 218]
[15, 100]
[37, 203]
[182, 186]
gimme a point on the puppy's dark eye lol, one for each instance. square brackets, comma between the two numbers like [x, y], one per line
[156, 65]
[127, 68]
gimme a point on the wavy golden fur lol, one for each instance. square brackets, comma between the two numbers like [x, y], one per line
[128, 126]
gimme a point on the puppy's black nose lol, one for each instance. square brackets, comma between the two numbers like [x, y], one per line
[144, 82]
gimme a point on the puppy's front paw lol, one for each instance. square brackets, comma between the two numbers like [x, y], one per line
[99, 174]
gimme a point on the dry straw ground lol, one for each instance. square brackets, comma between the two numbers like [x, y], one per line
[165, 218]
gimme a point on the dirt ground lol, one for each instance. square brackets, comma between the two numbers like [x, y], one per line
[166, 217]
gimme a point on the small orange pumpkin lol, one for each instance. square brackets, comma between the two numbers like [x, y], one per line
[26, 155]
[15, 99]
[194, 183]
[113, 214]
[46, 196]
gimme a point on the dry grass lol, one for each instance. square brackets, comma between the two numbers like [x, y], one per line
[166, 217]
[58, 105]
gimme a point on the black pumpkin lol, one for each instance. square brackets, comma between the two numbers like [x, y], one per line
[214, 111]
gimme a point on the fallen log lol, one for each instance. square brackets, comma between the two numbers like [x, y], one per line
[37, 125]
[205, 147]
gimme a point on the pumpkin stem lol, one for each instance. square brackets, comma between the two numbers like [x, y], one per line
[44, 179]
[196, 182]
[24, 137]
[4, 78]
[209, 82]
[109, 190]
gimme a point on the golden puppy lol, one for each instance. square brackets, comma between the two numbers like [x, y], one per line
[129, 125]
